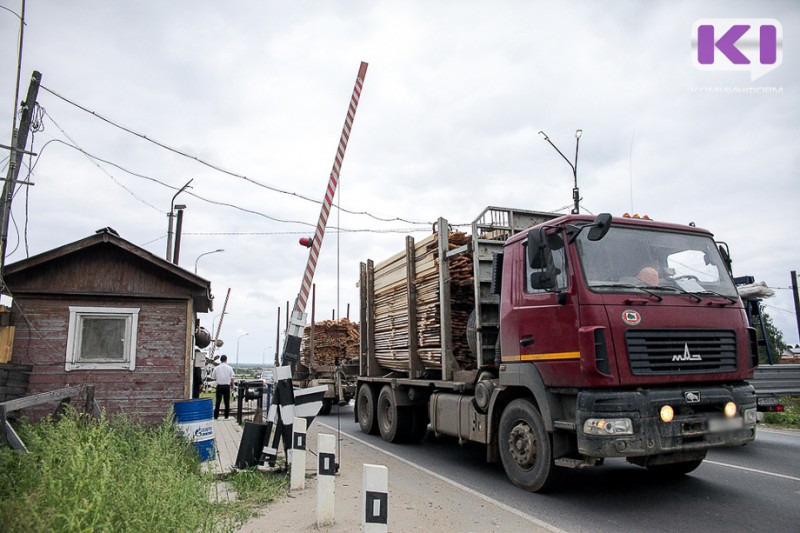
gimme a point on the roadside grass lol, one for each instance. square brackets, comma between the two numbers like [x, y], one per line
[114, 474]
[790, 417]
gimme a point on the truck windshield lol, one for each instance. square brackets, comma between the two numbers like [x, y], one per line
[655, 260]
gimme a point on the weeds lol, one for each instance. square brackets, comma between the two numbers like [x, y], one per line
[115, 475]
[790, 417]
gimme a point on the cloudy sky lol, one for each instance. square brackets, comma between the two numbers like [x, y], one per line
[455, 94]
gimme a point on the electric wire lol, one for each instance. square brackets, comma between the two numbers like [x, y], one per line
[95, 159]
[219, 168]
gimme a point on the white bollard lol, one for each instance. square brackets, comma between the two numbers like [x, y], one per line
[326, 471]
[298, 478]
[375, 499]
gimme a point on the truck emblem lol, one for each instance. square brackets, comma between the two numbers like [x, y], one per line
[686, 355]
[692, 396]
[631, 317]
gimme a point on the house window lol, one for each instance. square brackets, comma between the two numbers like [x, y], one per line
[102, 338]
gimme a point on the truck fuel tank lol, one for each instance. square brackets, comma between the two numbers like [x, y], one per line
[455, 415]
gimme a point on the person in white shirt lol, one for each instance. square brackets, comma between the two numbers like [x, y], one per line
[223, 375]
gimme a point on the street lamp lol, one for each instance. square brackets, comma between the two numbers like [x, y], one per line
[170, 216]
[574, 167]
[237, 350]
[201, 255]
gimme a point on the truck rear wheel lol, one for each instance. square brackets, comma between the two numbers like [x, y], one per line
[394, 422]
[365, 403]
[525, 447]
[327, 403]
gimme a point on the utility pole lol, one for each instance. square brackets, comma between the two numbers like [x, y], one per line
[15, 162]
[170, 216]
[178, 231]
[796, 300]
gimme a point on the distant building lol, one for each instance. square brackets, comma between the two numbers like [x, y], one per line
[106, 312]
[791, 355]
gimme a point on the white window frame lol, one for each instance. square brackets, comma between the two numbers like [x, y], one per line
[76, 314]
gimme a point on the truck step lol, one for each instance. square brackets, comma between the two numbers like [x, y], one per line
[565, 424]
[568, 462]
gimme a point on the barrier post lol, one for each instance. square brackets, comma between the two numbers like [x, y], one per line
[298, 476]
[375, 499]
[326, 471]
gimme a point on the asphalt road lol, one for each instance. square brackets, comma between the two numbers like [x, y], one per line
[751, 488]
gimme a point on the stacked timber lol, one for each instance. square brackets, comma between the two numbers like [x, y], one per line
[391, 305]
[335, 341]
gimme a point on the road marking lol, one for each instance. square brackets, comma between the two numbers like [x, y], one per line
[485, 498]
[753, 470]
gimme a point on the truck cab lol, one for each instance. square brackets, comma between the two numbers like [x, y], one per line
[632, 341]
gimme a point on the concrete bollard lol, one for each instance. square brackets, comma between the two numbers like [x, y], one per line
[375, 499]
[298, 477]
[326, 484]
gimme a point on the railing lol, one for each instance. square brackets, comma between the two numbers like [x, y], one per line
[777, 380]
[60, 395]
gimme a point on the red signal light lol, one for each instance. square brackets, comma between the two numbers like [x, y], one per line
[306, 241]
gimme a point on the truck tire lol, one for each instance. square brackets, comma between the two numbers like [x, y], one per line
[674, 470]
[327, 403]
[525, 448]
[472, 334]
[394, 422]
[365, 402]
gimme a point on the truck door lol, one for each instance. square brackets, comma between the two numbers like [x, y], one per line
[547, 321]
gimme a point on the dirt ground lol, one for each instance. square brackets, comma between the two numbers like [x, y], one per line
[418, 500]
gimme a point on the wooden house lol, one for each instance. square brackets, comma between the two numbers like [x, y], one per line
[106, 312]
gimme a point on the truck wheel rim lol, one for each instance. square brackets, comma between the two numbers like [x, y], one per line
[522, 445]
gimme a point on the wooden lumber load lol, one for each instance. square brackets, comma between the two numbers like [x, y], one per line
[391, 305]
[335, 341]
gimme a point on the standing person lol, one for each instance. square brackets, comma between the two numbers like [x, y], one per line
[223, 375]
[197, 374]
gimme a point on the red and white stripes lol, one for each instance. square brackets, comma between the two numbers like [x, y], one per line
[333, 182]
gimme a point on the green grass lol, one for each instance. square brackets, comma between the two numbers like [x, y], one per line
[115, 475]
[790, 417]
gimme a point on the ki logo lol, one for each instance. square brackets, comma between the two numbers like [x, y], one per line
[754, 45]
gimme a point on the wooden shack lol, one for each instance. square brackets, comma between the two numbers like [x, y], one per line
[106, 312]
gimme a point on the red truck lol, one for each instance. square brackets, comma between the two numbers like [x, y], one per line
[590, 337]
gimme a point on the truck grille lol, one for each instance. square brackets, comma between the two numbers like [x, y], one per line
[665, 352]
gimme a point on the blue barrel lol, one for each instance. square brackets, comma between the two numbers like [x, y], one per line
[194, 419]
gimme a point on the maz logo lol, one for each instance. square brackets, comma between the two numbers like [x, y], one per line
[686, 355]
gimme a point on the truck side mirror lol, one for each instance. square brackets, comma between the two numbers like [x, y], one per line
[536, 248]
[540, 258]
[600, 227]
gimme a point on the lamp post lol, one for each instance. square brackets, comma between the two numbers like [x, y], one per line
[237, 350]
[205, 253]
[170, 216]
[575, 193]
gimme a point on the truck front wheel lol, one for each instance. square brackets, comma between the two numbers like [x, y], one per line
[525, 447]
[365, 402]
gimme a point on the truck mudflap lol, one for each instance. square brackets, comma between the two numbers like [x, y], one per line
[630, 424]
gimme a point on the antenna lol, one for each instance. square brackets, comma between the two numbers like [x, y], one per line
[630, 169]
[574, 166]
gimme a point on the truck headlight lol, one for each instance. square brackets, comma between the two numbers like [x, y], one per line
[750, 416]
[608, 426]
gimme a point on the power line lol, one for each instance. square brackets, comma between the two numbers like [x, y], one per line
[219, 168]
[75, 145]
[96, 159]
[779, 309]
